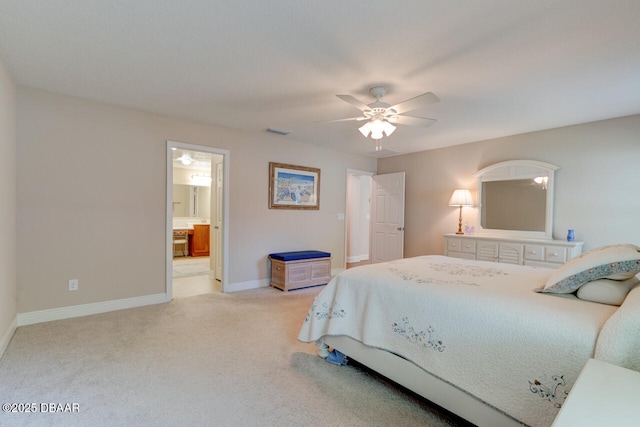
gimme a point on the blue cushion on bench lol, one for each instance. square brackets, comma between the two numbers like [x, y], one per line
[294, 256]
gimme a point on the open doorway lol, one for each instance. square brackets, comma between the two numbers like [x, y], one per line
[197, 212]
[358, 218]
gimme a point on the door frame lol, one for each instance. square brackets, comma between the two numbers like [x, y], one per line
[348, 213]
[169, 211]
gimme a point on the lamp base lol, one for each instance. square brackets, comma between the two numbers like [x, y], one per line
[460, 223]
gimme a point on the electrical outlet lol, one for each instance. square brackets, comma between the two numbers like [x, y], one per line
[73, 284]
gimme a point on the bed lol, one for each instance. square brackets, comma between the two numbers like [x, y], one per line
[494, 343]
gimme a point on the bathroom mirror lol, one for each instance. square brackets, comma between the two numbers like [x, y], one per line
[515, 198]
[191, 201]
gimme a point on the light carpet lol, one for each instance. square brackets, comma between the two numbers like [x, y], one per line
[208, 360]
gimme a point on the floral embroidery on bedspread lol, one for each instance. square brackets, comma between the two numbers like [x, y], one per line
[325, 311]
[463, 274]
[420, 279]
[418, 337]
[550, 392]
[467, 270]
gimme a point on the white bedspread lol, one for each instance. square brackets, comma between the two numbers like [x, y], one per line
[477, 325]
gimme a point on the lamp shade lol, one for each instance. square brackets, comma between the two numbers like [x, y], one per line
[461, 197]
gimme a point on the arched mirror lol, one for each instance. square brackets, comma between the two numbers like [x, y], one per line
[515, 198]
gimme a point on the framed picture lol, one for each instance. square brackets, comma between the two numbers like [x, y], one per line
[293, 187]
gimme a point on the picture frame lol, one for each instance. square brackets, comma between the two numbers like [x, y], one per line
[293, 187]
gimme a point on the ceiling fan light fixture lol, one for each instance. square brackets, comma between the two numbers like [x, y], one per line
[377, 129]
[365, 129]
[388, 128]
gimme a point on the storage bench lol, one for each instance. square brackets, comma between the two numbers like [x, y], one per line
[301, 269]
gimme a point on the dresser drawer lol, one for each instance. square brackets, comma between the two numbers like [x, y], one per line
[534, 252]
[461, 245]
[555, 254]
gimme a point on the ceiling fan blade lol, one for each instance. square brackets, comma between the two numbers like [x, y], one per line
[415, 103]
[412, 121]
[353, 101]
[343, 120]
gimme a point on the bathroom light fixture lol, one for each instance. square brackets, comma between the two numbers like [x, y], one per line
[460, 198]
[542, 180]
[200, 180]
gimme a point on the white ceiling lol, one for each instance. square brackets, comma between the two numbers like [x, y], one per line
[500, 67]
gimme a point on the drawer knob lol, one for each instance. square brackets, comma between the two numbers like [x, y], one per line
[555, 254]
[278, 268]
[533, 252]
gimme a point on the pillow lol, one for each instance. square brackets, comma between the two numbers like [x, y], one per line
[614, 261]
[607, 291]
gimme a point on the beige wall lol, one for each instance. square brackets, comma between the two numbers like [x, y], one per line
[7, 205]
[91, 194]
[597, 185]
[91, 199]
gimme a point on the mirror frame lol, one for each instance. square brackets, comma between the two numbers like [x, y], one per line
[515, 170]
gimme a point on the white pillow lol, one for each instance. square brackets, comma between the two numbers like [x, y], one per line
[607, 291]
[614, 261]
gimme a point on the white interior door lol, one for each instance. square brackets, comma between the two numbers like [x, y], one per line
[217, 228]
[387, 208]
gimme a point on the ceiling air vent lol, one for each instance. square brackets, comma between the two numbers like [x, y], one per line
[279, 131]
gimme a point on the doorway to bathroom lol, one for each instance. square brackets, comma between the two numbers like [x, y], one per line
[197, 212]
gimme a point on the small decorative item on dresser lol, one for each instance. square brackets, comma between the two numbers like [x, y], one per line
[469, 229]
[571, 236]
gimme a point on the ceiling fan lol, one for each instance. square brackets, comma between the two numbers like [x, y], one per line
[381, 116]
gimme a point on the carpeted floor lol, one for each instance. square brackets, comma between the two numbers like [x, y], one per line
[208, 360]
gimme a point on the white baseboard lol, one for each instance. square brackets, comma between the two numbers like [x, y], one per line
[245, 286]
[88, 309]
[41, 316]
[357, 258]
[262, 283]
[6, 336]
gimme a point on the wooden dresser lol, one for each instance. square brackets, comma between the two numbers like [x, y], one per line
[534, 252]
